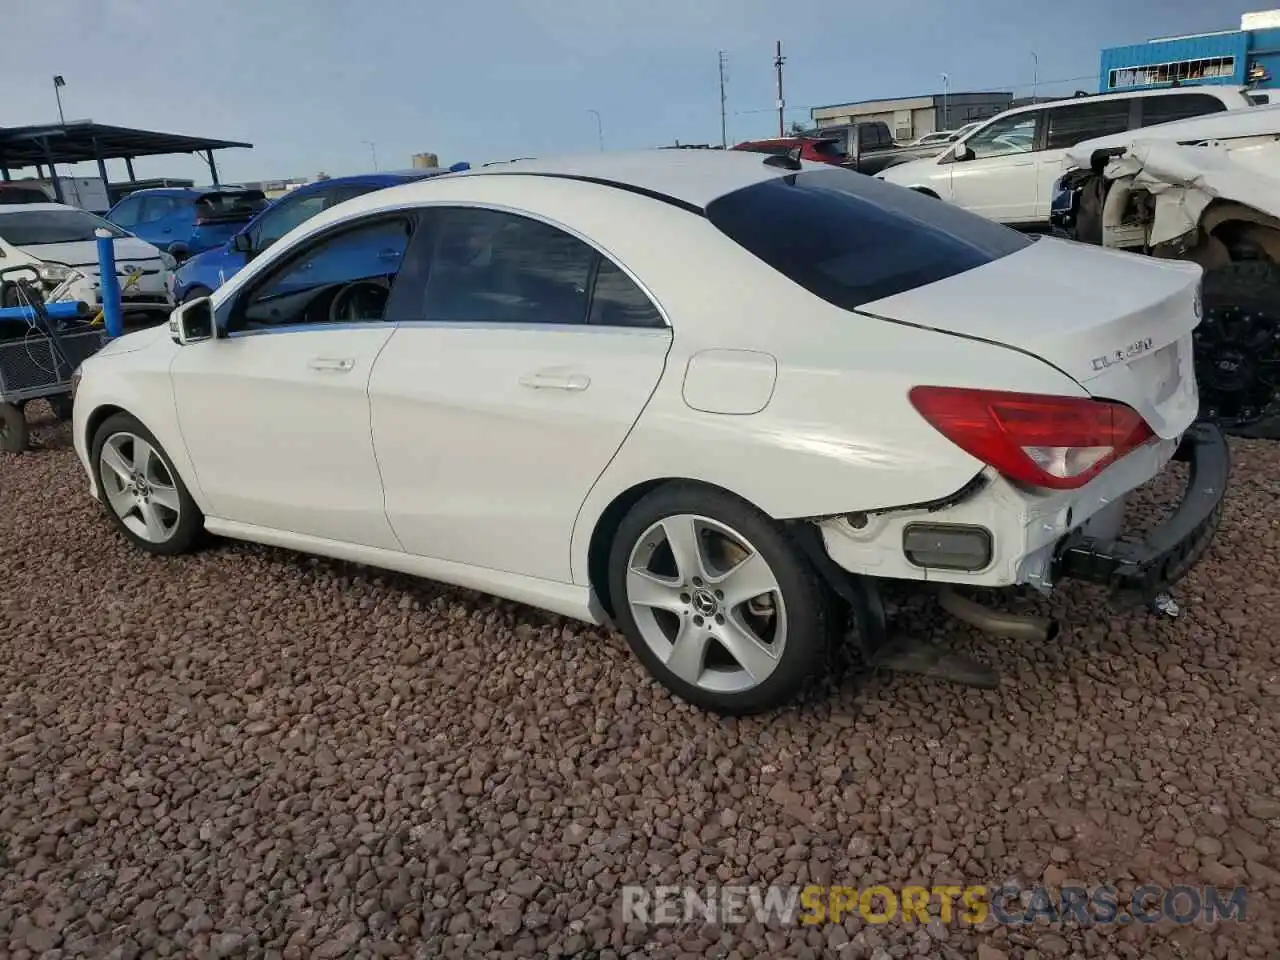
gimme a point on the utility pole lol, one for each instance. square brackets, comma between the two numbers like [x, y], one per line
[1035, 76]
[58, 84]
[373, 152]
[724, 100]
[599, 128]
[778, 61]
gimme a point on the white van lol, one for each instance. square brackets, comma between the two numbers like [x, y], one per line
[1006, 169]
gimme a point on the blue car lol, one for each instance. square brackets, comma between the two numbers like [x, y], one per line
[203, 274]
[183, 221]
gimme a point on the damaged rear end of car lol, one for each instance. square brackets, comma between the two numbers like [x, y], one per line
[1086, 392]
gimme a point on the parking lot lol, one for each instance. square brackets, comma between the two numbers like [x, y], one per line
[253, 753]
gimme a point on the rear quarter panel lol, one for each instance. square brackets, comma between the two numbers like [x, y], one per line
[838, 433]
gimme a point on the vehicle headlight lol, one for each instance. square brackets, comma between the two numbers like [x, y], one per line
[169, 262]
[76, 374]
[53, 272]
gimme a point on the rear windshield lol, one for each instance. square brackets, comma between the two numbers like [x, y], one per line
[828, 148]
[852, 239]
[243, 204]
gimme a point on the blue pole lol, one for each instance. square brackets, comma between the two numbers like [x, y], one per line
[109, 284]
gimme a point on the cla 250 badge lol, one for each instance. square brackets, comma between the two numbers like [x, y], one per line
[1133, 350]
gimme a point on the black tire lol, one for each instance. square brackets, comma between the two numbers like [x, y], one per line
[61, 406]
[1237, 349]
[15, 436]
[806, 600]
[195, 293]
[189, 530]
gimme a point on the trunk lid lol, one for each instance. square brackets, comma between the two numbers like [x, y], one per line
[1119, 324]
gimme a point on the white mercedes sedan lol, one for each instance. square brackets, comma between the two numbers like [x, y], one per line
[717, 400]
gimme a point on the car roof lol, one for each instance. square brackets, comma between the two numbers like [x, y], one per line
[1214, 90]
[692, 178]
[385, 178]
[38, 208]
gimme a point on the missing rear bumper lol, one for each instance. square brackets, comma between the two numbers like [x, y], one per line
[1138, 573]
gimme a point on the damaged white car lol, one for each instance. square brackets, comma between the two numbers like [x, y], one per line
[717, 400]
[1207, 191]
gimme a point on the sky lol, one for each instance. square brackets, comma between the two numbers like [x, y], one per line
[312, 83]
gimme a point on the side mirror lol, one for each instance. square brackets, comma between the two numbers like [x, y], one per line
[192, 322]
[962, 152]
[242, 243]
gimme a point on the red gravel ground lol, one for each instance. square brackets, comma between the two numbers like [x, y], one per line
[252, 753]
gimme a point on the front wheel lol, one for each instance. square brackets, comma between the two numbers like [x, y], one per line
[144, 496]
[1237, 348]
[716, 601]
[195, 293]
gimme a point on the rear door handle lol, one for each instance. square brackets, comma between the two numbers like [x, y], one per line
[337, 364]
[556, 381]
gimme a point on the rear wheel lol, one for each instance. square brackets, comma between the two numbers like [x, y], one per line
[1237, 348]
[716, 601]
[14, 435]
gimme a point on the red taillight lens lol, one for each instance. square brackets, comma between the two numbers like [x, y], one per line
[1043, 441]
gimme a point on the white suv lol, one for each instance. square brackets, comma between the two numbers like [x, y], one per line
[1006, 168]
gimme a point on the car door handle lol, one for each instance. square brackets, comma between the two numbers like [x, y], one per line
[388, 254]
[556, 381]
[338, 364]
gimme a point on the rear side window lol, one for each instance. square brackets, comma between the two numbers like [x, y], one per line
[1178, 106]
[852, 239]
[1077, 122]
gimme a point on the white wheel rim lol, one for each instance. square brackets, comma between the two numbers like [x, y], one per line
[139, 488]
[707, 603]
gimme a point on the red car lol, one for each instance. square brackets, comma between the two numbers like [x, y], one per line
[818, 149]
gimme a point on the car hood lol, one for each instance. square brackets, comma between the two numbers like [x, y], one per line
[1119, 324]
[132, 342]
[909, 171]
[84, 253]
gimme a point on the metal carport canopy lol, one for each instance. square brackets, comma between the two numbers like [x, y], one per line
[82, 141]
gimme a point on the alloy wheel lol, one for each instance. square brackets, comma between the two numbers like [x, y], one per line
[707, 603]
[1238, 368]
[139, 487]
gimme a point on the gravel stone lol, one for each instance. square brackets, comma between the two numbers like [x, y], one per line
[247, 752]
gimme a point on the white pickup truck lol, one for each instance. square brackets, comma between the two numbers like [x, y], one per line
[1205, 190]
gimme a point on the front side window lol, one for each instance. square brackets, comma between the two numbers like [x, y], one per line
[126, 212]
[1011, 135]
[489, 266]
[852, 239]
[1076, 122]
[156, 208]
[344, 277]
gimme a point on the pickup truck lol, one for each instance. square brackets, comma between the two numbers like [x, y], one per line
[869, 147]
[866, 147]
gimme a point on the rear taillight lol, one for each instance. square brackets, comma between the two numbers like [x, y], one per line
[1043, 441]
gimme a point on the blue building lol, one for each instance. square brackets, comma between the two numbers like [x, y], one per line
[1248, 56]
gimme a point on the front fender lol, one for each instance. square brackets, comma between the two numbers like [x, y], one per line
[136, 382]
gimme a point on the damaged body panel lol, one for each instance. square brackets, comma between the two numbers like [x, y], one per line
[1205, 191]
